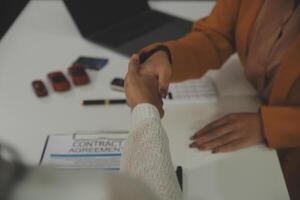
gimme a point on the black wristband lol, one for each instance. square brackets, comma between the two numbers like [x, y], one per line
[145, 55]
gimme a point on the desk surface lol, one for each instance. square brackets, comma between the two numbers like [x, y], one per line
[44, 39]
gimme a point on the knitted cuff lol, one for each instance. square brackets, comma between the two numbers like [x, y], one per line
[144, 111]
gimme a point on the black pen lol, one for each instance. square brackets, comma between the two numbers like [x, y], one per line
[179, 176]
[103, 102]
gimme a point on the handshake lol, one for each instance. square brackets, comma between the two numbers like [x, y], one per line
[148, 82]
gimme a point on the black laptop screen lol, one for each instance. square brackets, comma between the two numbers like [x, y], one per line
[92, 15]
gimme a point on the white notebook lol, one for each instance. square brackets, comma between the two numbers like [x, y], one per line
[199, 91]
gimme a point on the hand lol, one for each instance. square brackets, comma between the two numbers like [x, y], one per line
[230, 133]
[158, 65]
[141, 88]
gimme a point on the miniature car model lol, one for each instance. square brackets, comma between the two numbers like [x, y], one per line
[39, 88]
[79, 75]
[117, 84]
[59, 82]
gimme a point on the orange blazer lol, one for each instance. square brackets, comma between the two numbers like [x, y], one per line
[226, 31]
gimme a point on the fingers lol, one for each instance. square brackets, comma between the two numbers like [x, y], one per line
[134, 64]
[148, 71]
[230, 133]
[210, 126]
[163, 76]
[159, 66]
[219, 133]
[220, 141]
[232, 146]
[163, 82]
[161, 113]
[213, 134]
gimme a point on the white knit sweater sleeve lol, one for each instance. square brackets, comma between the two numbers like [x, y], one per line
[146, 155]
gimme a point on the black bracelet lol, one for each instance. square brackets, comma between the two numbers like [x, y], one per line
[145, 55]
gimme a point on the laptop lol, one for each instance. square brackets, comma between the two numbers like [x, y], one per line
[125, 26]
[9, 11]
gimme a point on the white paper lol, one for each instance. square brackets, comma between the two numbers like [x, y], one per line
[199, 91]
[100, 150]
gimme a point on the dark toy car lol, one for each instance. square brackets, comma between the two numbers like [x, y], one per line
[79, 75]
[59, 82]
[39, 88]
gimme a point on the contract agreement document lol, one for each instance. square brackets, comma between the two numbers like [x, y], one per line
[101, 150]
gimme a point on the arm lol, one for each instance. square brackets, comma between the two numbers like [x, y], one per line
[207, 46]
[147, 156]
[277, 125]
[281, 126]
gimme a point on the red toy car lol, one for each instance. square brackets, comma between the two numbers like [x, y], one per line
[39, 88]
[79, 75]
[59, 82]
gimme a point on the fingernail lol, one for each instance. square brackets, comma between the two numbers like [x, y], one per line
[163, 93]
[192, 137]
[192, 145]
[214, 151]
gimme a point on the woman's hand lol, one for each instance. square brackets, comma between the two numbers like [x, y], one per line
[141, 88]
[230, 133]
[159, 65]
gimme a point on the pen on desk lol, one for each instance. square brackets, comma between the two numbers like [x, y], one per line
[103, 102]
[179, 176]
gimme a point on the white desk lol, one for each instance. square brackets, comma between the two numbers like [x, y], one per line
[44, 38]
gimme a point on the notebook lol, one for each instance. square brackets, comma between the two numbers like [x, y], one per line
[199, 91]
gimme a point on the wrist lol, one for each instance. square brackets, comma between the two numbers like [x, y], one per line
[161, 49]
[262, 131]
[157, 105]
[161, 55]
[144, 111]
[148, 102]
